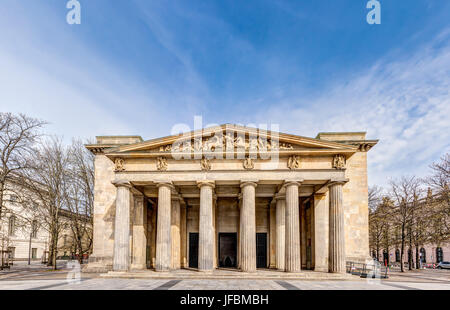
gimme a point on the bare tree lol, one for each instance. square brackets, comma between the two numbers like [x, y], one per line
[47, 177]
[404, 193]
[18, 134]
[80, 197]
[439, 181]
[375, 197]
[379, 225]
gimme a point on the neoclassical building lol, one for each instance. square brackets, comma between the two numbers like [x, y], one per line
[231, 197]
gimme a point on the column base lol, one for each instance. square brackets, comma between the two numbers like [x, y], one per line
[138, 266]
[162, 270]
[205, 271]
[321, 269]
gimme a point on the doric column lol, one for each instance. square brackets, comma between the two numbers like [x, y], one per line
[183, 235]
[280, 231]
[121, 259]
[303, 235]
[240, 232]
[215, 250]
[337, 236]
[272, 235]
[292, 244]
[139, 233]
[175, 231]
[321, 218]
[248, 233]
[163, 244]
[206, 230]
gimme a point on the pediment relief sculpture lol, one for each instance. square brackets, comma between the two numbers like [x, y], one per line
[119, 164]
[339, 161]
[226, 143]
[293, 162]
[161, 164]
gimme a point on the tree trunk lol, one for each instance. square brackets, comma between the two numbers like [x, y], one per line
[418, 258]
[29, 249]
[55, 251]
[410, 259]
[2, 187]
[402, 252]
[50, 254]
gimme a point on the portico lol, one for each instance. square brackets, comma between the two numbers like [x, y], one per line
[155, 209]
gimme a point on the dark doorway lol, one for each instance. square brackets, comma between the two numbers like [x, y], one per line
[193, 250]
[228, 250]
[261, 250]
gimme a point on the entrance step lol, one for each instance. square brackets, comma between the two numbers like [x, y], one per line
[227, 274]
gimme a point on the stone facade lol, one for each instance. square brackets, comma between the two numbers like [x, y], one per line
[231, 196]
[23, 231]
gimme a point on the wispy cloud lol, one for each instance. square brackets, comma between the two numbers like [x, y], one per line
[404, 101]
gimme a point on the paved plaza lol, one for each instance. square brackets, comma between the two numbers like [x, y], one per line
[38, 277]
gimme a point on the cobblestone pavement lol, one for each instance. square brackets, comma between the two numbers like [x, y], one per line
[38, 277]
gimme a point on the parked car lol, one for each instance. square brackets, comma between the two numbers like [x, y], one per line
[444, 265]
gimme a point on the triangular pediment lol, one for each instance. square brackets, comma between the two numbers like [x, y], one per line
[237, 136]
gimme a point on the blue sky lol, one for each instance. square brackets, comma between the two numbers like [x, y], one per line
[141, 66]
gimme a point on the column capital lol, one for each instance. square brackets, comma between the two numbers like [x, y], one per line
[253, 183]
[165, 184]
[280, 196]
[176, 197]
[202, 183]
[292, 182]
[138, 195]
[121, 183]
[337, 182]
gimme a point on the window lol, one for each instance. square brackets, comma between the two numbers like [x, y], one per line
[13, 198]
[439, 255]
[33, 253]
[34, 229]
[12, 225]
[397, 256]
[423, 255]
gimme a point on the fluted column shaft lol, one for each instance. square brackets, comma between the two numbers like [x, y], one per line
[272, 235]
[121, 259]
[139, 233]
[292, 245]
[337, 236]
[163, 241]
[206, 231]
[175, 234]
[280, 233]
[248, 233]
[183, 235]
